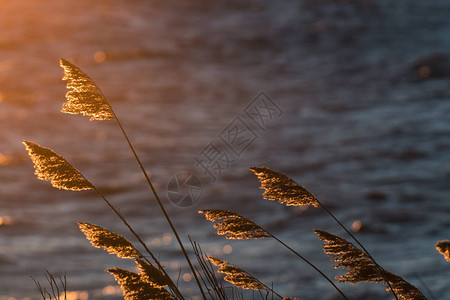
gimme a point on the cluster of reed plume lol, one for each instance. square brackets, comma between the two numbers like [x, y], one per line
[152, 281]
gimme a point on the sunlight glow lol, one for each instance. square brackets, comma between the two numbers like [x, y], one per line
[76, 295]
[5, 220]
[227, 249]
[4, 159]
[187, 277]
[99, 56]
[356, 226]
[167, 239]
[111, 290]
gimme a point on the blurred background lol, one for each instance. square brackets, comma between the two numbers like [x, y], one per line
[364, 99]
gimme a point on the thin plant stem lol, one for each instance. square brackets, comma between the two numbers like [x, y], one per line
[309, 263]
[161, 206]
[172, 285]
[380, 269]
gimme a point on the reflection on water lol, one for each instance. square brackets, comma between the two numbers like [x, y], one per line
[364, 90]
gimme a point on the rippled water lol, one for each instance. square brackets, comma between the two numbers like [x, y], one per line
[364, 90]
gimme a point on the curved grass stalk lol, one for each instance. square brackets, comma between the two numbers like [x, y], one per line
[86, 98]
[281, 188]
[380, 269]
[50, 166]
[166, 215]
[234, 226]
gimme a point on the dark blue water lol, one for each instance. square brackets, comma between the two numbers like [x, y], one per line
[363, 87]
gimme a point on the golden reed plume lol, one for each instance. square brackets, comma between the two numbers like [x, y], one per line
[237, 276]
[108, 240]
[234, 226]
[444, 248]
[151, 274]
[279, 187]
[85, 97]
[51, 166]
[361, 268]
[135, 287]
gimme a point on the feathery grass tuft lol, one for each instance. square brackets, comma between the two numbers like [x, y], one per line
[279, 187]
[108, 240]
[234, 226]
[444, 248]
[237, 276]
[135, 288]
[361, 268]
[282, 188]
[85, 97]
[51, 166]
[151, 274]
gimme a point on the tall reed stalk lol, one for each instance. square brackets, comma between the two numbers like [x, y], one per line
[235, 226]
[281, 188]
[53, 167]
[86, 98]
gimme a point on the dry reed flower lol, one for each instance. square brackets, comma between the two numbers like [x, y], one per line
[234, 226]
[279, 187]
[85, 97]
[151, 274]
[51, 166]
[361, 268]
[237, 276]
[135, 288]
[108, 240]
[444, 248]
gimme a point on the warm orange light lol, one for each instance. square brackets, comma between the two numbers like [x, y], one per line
[5, 220]
[111, 290]
[4, 160]
[167, 238]
[424, 72]
[99, 56]
[76, 295]
[187, 277]
[227, 249]
[357, 225]
[156, 242]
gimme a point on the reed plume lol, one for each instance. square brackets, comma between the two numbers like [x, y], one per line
[151, 274]
[108, 240]
[237, 276]
[214, 286]
[360, 267]
[135, 287]
[51, 166]
[234, 226]
[444, 248]
[279, 187]
[85, 97]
